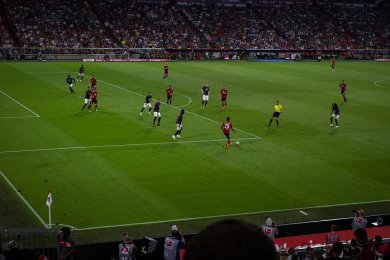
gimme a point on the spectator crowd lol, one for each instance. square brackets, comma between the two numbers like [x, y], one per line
[206, 25]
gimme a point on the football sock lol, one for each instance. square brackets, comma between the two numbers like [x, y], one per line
[205, 103]
[159, 119]
[277, 122]
[150, 109]
[337, 122]
[154, 120]
[95, 107]
[142, 109]
[331, 120]
[84, 106]
[270, 121]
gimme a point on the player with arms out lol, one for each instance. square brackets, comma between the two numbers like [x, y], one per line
[94, 95]
[335, 114]
[93, 83]
[333, 63]
[87, 98]
[226, 127]
[81, 73]
[147, 103]
[224, 94]
[275, 115]
[343, 89]
[205, 91]
[169, 95]
[156, 113]
[70, 81]
[165, 71]
[179, 126]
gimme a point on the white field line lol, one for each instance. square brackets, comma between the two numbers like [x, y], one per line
[382, 80]
[187, 97]
[23, 199]
[304, 213]
[20, 104]
[208, 119]
[121, 145]
[229, 215]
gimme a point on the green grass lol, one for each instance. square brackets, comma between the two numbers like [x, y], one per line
[304, 163]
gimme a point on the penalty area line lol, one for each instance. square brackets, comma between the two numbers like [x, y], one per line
[228, 215]
[20, 104]
[123, 145]
[23, 199]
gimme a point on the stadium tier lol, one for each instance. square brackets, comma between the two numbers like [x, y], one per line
[197, 24]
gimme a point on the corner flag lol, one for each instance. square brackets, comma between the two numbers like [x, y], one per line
[49, 200]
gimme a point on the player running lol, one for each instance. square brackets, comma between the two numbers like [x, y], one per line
[226, 127]
[70, 82]
[169, 95]
[165, 71]
[179, 126]
[156, 113]
[81, 73]
[93, 83]
[205, 91]
[275, 115]
[335, 114]
[224, 93]
[94, 95]
[333, 63]
[343, 89]
[148, 100]
[87, 98]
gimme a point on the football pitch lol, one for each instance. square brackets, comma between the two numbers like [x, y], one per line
[112, 168]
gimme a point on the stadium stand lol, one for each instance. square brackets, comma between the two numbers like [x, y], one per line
[56, 24]
[300, 24]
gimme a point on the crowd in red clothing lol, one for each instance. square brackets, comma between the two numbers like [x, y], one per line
[255, 24]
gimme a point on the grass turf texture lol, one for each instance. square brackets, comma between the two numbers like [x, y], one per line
[303, 163]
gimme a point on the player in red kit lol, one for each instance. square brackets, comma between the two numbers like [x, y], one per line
[165, 71]
[93, 82]
[224, 93]
[169, 95]
[333, 63]
[226, 127]
[343, 89]
[94, 96]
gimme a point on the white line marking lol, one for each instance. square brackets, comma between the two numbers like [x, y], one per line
[121, 145]
[230, 215]
[23, 199]
[382, 80]
[20, 104]
[304, 213]
[211, 120]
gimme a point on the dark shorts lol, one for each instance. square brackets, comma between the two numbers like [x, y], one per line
[223, 99]
[227, 135]
[276, 114]
[93, 101]
[169, 97]
[342, 92]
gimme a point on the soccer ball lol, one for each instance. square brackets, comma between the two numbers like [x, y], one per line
[237, 143]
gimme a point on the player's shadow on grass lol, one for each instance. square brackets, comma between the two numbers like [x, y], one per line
[333, 131]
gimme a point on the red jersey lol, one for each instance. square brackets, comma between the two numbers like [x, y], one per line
[93, 82]
[226, 126]
[334, 61]
[166, 68]
[224, 93]
[169, 92]
[94, 95]
[343, 87]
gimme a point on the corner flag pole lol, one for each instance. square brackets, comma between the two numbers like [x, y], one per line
[49, 201]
